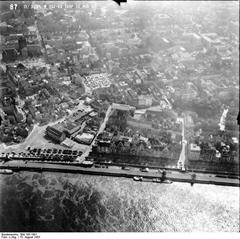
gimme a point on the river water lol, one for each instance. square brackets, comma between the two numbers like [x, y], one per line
[47, 201]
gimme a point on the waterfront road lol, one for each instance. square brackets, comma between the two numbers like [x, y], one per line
[19, 165]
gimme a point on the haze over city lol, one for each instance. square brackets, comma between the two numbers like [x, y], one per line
[145, 94]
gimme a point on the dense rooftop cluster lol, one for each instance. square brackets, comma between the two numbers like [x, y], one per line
[122, 136]
[167, 61]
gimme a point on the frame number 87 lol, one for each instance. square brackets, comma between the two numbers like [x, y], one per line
[13, 6]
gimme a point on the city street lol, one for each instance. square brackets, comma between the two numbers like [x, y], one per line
[182, 156]
[118, 172]
[101, 128]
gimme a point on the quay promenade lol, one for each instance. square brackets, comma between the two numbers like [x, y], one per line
[175, 176]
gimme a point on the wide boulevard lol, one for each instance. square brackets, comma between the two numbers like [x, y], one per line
[177, 176]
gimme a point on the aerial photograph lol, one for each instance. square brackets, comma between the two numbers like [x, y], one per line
[119, 117]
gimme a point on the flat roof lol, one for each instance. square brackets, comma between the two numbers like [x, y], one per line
[195, 148]
[58, 127]
[122, 107]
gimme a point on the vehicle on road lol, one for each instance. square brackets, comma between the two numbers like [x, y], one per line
[6, 171]
[125, 168]
[167, 181]
[156, 180]
[183, 170]
[146, 170]
[135, 178]
[159, 180]
[87, 163]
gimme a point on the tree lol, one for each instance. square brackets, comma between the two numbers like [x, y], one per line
[193, 177]
[22, 132]
[29, 119]
[102, 114]
[164, 174]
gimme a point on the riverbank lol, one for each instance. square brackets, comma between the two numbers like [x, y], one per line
[49, 201]
[19, 165]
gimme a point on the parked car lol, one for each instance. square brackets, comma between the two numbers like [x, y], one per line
[65, 151]
[55, 151]
[49, 151]
[75, 152]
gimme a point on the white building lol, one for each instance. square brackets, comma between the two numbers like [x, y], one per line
[145, 100]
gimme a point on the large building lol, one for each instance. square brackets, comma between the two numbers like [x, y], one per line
[9, 54]
[72, 127]
[56, 133]
[84, 138]
[145, 100]
[123, 107]
[34, 50]
[194, 152]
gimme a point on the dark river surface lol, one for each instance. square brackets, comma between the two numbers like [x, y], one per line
[58, 202]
